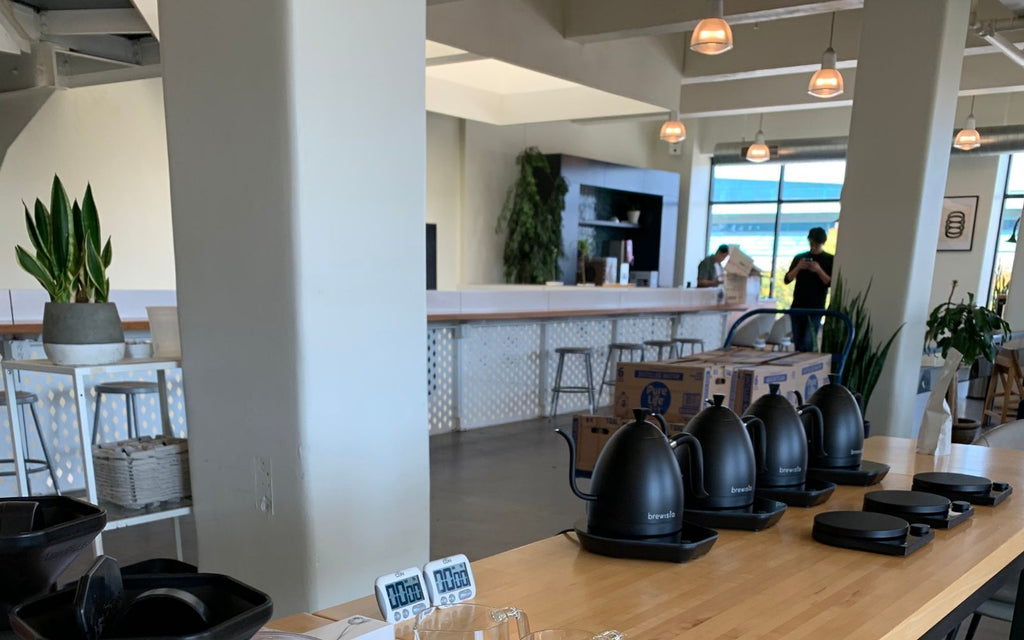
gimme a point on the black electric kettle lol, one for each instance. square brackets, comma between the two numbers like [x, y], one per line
[785, 451]
[729, 464]
[837, 440]
[636, 489]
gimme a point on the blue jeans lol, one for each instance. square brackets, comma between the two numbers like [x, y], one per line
[805, 332]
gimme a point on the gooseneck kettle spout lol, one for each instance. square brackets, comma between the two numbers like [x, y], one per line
[572, 467]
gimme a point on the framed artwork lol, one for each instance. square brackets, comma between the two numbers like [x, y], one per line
[956, 227]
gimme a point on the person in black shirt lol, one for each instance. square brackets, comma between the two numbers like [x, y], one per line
[812, 271]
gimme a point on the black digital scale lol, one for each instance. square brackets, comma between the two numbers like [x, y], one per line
[961, 486]
[691, 542]
[919, 507]
[869, 531]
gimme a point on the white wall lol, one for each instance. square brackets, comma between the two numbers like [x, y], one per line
[981, 176]
[114, 137]
[444, 194]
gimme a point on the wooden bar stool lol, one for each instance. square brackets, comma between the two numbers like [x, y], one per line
[1006, 381]
[693, 343]
[32, 465]
[616, 353]
[562, 352]
[662, 346]
[130, 389]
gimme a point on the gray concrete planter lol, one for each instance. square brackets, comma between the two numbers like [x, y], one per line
[82, 333]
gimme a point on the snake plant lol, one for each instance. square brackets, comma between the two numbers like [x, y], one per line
[68, 261]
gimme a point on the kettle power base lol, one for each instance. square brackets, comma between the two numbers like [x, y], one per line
[865, 475]
[868, 531]
[762, 514]
[960, 486]
[691, 542]
[919, 507]
[809, 494]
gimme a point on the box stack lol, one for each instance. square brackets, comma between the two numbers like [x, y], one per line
[742, 283]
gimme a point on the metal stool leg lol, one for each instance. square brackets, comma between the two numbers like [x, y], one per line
[604, 372]
[46, 448]
[590, 382]
[96, 418]
[133, 419]
[973, 627]
[558, 385]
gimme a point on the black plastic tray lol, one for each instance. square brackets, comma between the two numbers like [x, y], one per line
[867, 474]
[692, 542]
[236, 610]
[918, 535]
[998, 491]
[952, 515]
[762, 514]
[809, 494]
[30, 562]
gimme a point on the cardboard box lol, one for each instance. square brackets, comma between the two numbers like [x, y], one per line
[592, 432]
[739, 263]
[742, 289]
[801, 375]
[673, 389]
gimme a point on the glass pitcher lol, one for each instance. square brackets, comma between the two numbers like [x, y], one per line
[574, 634]
[468, 621]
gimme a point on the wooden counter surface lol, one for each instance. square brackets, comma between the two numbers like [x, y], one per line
[37, 327]
[575, 313]
[776, 583]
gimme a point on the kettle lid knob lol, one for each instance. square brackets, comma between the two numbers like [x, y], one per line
[773, 388]
[640, 414]
[718, 399]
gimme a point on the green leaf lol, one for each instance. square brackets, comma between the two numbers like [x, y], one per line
[78, 255]
[90, 217]
[107, 254]
[39, 272]
[62, 244]
[94, 267]
[37, 241]
[43, 225]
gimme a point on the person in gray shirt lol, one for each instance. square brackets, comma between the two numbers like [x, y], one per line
[709, 271]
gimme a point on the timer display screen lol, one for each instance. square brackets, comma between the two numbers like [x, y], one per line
[451, 578]
[405, 592]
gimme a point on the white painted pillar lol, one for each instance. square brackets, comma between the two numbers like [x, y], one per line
[1013, 313]
[296, 138]
[898, 156]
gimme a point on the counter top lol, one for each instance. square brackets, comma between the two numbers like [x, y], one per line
[517, 302]
[777, 583]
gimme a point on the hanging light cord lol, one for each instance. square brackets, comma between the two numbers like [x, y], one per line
[972, 105]
[832, 30]
[760, 123]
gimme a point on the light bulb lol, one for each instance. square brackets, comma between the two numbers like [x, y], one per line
[673, 131]
[826, 82]
[968, 138]
[759, 151]
[712, 35]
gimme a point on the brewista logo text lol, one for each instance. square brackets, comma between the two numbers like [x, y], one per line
[661, 516]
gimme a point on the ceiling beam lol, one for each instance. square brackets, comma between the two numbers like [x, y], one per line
[92, 22]
[14, 37]
[602, 20]
[148, 9]
[109, 47]
[981, 74]
[112, 76]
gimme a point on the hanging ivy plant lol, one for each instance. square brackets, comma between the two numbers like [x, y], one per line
[531, 218]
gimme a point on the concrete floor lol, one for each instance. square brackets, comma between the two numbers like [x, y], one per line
[492, 490]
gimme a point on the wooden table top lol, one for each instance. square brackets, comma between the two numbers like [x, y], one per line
[777, 583]
[573, 313]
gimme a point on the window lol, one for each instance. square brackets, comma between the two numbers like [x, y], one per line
[768, 209]
[1013, 200]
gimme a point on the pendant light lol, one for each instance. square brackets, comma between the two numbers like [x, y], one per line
[673, 130]
[968, 138]
[827, 82]
[759, 151]
[712, 35]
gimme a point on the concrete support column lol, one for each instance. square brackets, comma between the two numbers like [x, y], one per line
[898, 156]
[296, 138]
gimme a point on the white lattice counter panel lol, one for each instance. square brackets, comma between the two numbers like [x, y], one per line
[482, 373]
[59, 416]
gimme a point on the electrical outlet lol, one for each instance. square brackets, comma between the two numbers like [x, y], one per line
[263, 485]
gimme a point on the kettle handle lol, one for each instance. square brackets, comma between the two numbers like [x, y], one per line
[661, 422]
[817, 424]
[759, 442]
[696, 453]
[572, 467]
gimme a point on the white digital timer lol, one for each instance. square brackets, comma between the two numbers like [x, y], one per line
[449, 580]
[401, 595]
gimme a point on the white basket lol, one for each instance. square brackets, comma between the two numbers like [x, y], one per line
[142, 471]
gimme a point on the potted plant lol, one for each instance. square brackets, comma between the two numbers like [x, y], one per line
[972, 331]
[79, 326]
[867, 358]
[582, 253]
[532, 219]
